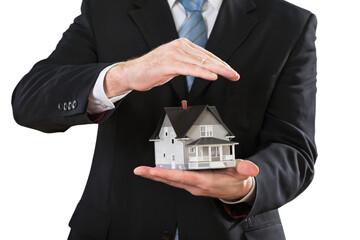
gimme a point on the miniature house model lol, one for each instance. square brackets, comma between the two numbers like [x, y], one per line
[193, 137]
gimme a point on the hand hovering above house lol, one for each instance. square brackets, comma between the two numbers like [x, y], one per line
[178, 57]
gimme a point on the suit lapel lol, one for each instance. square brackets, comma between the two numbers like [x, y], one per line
[231, 28]
[155, 21]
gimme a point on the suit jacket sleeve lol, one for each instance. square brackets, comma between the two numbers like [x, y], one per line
[287, 151]
[65, 77]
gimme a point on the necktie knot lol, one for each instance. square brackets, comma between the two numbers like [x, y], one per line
[192, 5]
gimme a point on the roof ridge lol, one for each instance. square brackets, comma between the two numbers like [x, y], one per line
[183, 119]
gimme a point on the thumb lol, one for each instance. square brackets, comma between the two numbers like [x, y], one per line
[247, 168]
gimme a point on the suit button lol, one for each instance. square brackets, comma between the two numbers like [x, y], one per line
[65, 107]
[60, 106]
[74, 104]
[69, 106]
[167, 236]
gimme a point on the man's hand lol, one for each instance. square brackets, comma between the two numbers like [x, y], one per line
[179, 57]
[229, 184]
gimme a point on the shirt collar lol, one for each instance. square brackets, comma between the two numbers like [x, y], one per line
[216, 3]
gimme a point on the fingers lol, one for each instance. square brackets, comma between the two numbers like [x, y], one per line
[214, 66]
[182, 68]
[179, 176]
[231, 183]
[208, 60]
[202, 52]
[247, 168]
[206, 68]
[190, 181]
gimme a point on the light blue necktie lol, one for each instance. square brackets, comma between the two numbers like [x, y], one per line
[193, 27]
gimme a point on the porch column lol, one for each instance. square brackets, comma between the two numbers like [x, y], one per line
[197, 154]
[233, 152]
[221, 152]
[209, 153]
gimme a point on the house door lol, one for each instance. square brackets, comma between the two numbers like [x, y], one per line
[215, 154]
[203, 153]
[173, 165]
[200, 154]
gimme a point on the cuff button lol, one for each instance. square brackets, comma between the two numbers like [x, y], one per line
[65, 107]
[69, 106]
[74, 104]
[60, 106]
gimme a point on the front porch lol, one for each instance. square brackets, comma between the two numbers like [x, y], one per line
[211, 165]
[210, 154]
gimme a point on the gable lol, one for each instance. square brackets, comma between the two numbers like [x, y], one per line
[206, 118]
[166, 122]
[182, 120]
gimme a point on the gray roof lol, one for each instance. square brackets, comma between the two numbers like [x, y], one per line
[211, 141]
[182, 120]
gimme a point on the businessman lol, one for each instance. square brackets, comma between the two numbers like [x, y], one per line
[121, 62]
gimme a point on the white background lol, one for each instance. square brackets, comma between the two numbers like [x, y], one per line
[42, 175]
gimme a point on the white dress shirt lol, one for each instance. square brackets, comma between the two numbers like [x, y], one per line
[99, 102]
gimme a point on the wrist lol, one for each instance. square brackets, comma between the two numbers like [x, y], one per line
[247, 187]
[115, 82]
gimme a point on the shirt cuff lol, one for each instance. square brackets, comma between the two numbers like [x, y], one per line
[249, 198]
[98, 101]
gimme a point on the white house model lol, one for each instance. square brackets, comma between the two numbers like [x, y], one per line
[193, 137]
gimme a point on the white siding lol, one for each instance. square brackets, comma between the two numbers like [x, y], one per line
[206, 118]
[168, 145]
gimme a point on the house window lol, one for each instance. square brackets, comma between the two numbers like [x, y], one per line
[192, 150]
[209, 130]
[206, 131]
[166, 130]
[172, 135]
[202, 131]
[163, 152]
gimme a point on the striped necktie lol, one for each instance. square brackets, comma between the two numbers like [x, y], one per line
[193, 27]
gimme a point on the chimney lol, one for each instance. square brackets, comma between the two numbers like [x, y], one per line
[184, 104]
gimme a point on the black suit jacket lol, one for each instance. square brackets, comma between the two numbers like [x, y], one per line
[271, 111]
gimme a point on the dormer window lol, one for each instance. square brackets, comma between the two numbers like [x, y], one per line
[206, 131]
